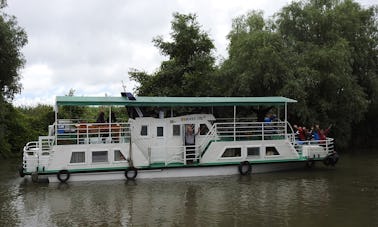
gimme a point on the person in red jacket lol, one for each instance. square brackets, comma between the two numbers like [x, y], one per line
[323, 133]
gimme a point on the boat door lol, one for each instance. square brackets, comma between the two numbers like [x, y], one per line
[159, 142]
[190, 143]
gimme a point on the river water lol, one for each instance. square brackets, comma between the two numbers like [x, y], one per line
[343, 196]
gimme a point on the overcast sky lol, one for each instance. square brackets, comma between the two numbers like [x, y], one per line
[90, 45]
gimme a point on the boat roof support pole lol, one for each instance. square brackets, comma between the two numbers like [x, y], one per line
[110, 121]
[286, 120]
[56, 108]
[278, 112]
[234, 123]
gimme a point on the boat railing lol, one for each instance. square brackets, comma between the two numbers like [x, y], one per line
[91, 133]
[239, 119]
[327, 144]
[175, 154]
[46, 142]
[251, 130]
[211, 135]
[31, 146]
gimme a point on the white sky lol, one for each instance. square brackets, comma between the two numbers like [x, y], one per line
[90, 45]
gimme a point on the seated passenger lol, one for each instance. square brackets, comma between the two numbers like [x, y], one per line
[302, 133]
[101, 117]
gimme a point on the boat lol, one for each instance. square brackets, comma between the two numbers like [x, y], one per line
[180, 145]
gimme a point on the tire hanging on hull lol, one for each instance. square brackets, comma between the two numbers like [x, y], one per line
[331, 159]
[310, 163]
[245, 168]
[131, 173]
[63, 175]
[21, 171]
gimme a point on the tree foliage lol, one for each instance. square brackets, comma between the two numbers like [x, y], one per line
[190, 65]
[335, 48]
[258, 60]
[12, 39]
[322, 53]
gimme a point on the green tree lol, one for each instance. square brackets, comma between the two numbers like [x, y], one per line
[335, 48]
[71, 112]
[190, 65]
[258, 62]
[322, 53]
[12, 39]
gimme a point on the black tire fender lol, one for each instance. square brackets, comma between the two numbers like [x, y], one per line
[310, 163]
[21, 171]
[131, 173]
[326, 161]
[63, 175]
[245, 168]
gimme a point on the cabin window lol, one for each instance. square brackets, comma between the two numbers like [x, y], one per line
[176, 130]
[78, 157]
[144, 130]
[271, 151]
[100, 156]
[232, 152]
[159, 131]
[253, 151]
[203, 129]
[118, 156]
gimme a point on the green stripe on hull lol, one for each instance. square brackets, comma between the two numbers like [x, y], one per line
[160, 165]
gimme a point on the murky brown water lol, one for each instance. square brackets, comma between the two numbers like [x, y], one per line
[344, 196]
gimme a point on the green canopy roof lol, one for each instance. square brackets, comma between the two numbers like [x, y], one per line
[172, 101]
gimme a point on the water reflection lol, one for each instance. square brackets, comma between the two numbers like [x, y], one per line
[268, 199]
[327, 197]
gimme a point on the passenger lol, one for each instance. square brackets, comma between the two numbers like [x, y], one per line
[101, 117]
[323, 133]
[268, 118]
[190, 144]
[302, 133]
[296, 132]
[190, 135]
[310, 133]
[315, 132]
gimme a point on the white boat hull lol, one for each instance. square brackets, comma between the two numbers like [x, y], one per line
[195, 171]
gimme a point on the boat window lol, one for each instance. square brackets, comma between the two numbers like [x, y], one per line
[159, 131]
[176, 130]
[143, 130]
[203, 129]
[253, 151]
[232, 152]
[118, 156]
[78, 157]
[271, 151]
[99, 156]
